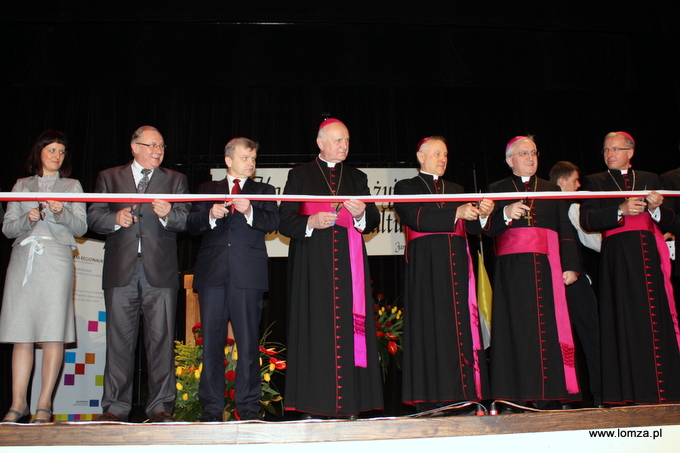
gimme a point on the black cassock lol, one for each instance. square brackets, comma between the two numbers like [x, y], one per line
[321, 377]
[440, 362]
[640, 354]
[527, 361]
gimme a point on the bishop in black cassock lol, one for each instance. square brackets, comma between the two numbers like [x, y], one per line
[333, 367]
[638, 320]
[532, 350]
[444, 359]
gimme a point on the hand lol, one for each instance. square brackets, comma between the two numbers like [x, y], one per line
[632, 206]
[467, 211]
[219, 210]
[241, 205]
[321, 220]
[125, 218]
[57, 207]
[486, 207]
[33, 215]
[654, 200]
[516, 210]
[569, 277]
[161, 207]
[355, 207]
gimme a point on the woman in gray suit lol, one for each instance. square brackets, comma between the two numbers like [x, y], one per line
[37, 304]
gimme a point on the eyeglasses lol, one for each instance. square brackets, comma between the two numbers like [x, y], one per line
[153, 145]
[526, 153]
[614, 150]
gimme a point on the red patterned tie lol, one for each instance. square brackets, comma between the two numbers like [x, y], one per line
[235, 191]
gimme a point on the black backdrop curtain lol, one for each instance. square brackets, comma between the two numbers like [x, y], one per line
[476, 75]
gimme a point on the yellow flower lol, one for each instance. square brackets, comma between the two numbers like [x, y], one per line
[394, 309]
[179, 386]
[179, 371]
[267, 377]
[185, 397]
[272, 367]
[197, 374]
[260, 361]
[398, 315]
[200, 367]
[234, 355]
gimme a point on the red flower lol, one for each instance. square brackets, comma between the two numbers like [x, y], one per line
[273, 360]
[380, 296]
[376, 308]
[261, 348]
[226, 362]
[196, 327]
[230, 341]
[390, 336]
[270, 351]
[231, 394]
[379, 333]
[280, 365]
[392, 347]
[378, 325]
[388, 324]
[230, 375]
[199, 341]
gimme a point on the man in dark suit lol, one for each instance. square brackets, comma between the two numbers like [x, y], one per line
[231, 277]
[140, 275]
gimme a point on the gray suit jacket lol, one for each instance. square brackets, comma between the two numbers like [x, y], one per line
[159, 243]
[70, 223]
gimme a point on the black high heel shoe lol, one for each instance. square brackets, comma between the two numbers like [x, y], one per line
[16, 416]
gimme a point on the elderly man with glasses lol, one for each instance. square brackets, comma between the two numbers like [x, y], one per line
[140, 277]
[532, 350]
[638, 320]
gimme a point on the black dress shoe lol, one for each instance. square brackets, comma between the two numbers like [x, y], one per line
[162, 417]
[208, 417]
[250, 415]
[108, 417]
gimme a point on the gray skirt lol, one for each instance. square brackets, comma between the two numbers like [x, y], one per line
[37, 305]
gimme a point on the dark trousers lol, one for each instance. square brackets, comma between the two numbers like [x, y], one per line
[585, 320]
[243, 307]
[124, 306]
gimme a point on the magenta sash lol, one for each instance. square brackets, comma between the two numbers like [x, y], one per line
[545, 241]
[356, 258]
[644, 222]
[472, 297]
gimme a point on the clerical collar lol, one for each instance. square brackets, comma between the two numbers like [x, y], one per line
[524, 179]
[434, 177]
[330, 164]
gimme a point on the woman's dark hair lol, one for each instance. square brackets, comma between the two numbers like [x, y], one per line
[34, 161]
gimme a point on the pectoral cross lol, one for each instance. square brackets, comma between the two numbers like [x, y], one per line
[527, 213]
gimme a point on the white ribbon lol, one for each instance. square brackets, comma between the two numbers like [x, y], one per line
[36, 248]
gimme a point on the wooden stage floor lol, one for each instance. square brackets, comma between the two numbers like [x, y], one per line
[260, 432]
